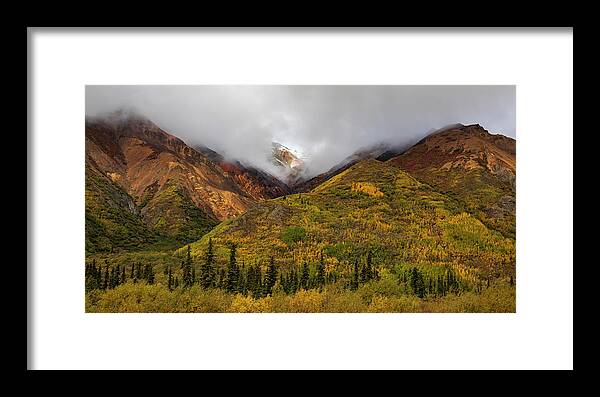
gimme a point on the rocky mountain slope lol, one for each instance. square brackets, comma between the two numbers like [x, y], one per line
[259, 184]
[290, 162]
[174, 190]
[471, 165]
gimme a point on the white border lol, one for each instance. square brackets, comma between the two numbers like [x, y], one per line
[539, 336]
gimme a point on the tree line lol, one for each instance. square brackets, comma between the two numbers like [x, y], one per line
[251, 280]
[422, 284]
[109, 277]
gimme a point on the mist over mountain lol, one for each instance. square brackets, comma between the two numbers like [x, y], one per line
[169, 227]
[324, 123]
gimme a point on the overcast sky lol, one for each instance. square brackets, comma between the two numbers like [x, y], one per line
[326, 123]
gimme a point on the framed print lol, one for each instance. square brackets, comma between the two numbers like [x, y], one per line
[300, 199]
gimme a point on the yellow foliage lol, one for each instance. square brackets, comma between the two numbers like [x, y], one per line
[247, 304]
[310, 301]
[368, 188]
[384, 304]
[383, 296]
[499, 298]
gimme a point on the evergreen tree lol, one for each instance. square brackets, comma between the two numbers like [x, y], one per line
[170, 282]
[450, 281]
[242, 280]
[270, 277]
[283, 281]
[105, 282]
[150, 276]
[116, 273]
[251, 280]
[91, 276]
[88, 275]
[304, 276]
[98, 275]
[364, 277]
[109, 283]
[429, 285]
[182, 268]
[413, 280]
[417, 283]
[257, 287]
[320, 276]
[355, 277]
[367, 272]
[231, 282]
[455, 282]
[123, 276]
[186, 269]
[221, 280]
[189, 265]
[293, 281]
[207, 270]
[441, 290]
[132, 271]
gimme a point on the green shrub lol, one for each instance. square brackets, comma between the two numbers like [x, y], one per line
[293, 234]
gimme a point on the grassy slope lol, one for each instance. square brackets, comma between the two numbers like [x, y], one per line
[489, 198]
[372, 205]
[472, 166]
[172, 213]
[114, 223]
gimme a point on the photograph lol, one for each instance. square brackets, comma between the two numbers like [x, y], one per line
[300, 199]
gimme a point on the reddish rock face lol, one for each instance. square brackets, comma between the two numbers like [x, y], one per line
[143, 159]
[468, 147]
[473, 165]
[258, 184]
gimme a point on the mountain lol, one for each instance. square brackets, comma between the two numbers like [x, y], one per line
[139, 173]
[380, 151]
[371, 206]
[447, 202]
[259, 184]
[471, 165]
[289, 161]
[428, 229]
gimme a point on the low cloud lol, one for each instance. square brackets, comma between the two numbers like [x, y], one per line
[326, 123]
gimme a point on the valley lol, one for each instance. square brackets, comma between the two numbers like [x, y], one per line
[175, 228]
